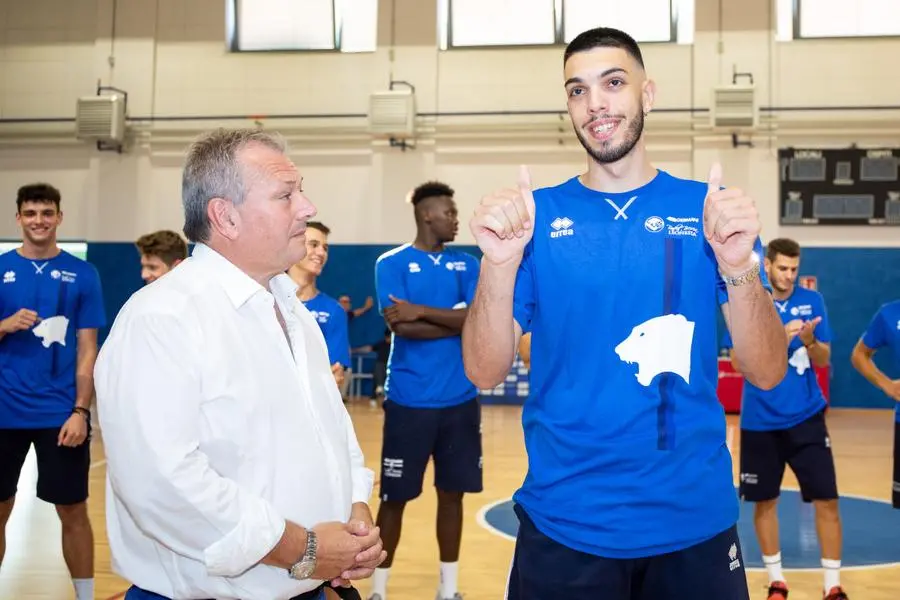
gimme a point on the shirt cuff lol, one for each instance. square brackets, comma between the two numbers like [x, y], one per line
[244, 546]
[363, 482]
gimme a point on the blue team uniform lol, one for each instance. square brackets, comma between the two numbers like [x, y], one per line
[37, 367]
[431, 408]
[332, 320]
[37, 371]
[624, 432]
[427, 373]
[798, 397]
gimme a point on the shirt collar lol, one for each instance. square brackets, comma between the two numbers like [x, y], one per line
[239, 286]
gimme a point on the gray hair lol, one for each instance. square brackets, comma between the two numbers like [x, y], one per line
[212, 170]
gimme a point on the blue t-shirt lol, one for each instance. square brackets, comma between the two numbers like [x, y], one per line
[798, 396]
[884, 330]
[332, 320]
[624, 432]
[37, 366]
[427, 373]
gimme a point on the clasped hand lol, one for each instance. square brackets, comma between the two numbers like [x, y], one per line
[347, 551]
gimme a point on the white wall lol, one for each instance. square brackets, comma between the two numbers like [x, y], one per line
[170, 56]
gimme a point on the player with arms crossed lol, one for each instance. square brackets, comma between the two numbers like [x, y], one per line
[883, 332]
[786, 426]
[430, 407]
[617, 274]
[51, 305]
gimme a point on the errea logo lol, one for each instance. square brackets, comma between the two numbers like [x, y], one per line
[561, 226]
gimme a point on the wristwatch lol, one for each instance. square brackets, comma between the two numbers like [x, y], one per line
[748, 276]
[305, 567]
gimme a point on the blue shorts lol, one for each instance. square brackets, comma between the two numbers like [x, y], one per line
[452, 435]
[544, 569]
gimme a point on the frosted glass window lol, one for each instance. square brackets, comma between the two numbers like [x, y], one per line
[501, 22]
[346, 25]
[844, 18]
[644, 20]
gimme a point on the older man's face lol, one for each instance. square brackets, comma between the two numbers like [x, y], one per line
[275, 210]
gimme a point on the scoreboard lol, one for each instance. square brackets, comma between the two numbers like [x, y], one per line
[841, 186]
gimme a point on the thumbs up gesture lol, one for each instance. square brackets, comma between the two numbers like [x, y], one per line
[503, 222]
[731, 225]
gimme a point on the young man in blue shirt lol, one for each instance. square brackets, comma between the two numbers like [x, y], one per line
[431, 408]
[883, 332]
[618, 274]
[328, 313]
[786, 426]
[51, 306]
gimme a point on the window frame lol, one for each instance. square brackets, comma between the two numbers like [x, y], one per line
[445, 29]
[233, 32]
[797, 7]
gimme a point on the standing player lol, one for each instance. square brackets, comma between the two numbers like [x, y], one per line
[161, 251]
[51, 306]
[430, 408]
[883, 331]
[786, 426]
[328, 313]
[618, 273]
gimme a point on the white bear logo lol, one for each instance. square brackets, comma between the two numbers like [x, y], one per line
[800, 360]
[660, 345]
[52, 329]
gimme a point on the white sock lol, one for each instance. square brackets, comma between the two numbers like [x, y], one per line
[449, 571]
[832, 573]
[773, 567]
[379, 582]
[84, 589]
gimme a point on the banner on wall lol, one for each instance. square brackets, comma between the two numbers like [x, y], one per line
[809, 282]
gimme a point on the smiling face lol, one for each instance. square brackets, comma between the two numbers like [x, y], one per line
[39, 222]
[316, 252]
[608, 96]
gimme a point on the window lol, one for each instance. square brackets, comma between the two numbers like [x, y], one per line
[799, 19]
[287, 25]
[468, 23]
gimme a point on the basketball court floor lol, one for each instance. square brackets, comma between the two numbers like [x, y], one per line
[862, 440]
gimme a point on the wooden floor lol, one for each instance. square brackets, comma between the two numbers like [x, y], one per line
[33, 567]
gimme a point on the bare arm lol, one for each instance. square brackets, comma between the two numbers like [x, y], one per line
[819, 353]
[734, 361]
[84, 370]
[452, 318]
[422, 330]
[490, 335]
[861, 359]
[760, 343]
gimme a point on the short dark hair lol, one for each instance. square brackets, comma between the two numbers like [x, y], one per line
[430, 189]
[783, 246]
[604, 37]
[165, 245]
[319, 226]
[37, 192]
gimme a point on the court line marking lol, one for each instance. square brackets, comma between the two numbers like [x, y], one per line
[481, 519]
[99, 463]
[117, 596]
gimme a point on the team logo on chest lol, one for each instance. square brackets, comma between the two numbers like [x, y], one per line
[9, 277]
[561, 226]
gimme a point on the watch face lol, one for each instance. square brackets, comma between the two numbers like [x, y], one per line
[302, 570]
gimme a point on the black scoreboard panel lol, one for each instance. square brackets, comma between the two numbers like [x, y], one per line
[847, 186]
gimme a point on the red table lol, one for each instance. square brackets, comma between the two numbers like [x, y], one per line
[731, 385]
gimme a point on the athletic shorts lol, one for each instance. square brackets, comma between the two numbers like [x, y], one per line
[896, 486]
[62, 470]
[806, 447]
[452, 435]
[543, 569]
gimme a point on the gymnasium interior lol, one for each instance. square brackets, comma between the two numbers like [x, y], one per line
[799, 100]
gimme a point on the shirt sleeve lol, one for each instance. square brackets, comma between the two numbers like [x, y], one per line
[722, 287]
[523, 293]
[91, 310]
[148, 395]
[875, 335]
[362, 477]
[388, 282]
[338, 337]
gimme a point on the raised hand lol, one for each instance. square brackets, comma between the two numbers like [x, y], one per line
[503, 222]
[806, 331]
[731, 225]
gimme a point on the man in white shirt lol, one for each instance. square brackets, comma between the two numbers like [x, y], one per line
[233, 468]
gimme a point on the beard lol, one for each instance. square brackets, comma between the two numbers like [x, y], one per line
[608, 154]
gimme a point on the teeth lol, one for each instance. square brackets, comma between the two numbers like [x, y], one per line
[603, 128]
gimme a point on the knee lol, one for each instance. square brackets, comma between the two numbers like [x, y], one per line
[448, 499]
[766, 508]
[827, 509]
[391, 507]
[73, 515]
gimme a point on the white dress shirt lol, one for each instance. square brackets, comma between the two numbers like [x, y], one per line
[216, 432]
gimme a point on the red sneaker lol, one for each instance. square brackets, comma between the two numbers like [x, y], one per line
[836, 593]
[778, 590]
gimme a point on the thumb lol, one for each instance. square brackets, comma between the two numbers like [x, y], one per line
[525, 188]
[715, 178]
